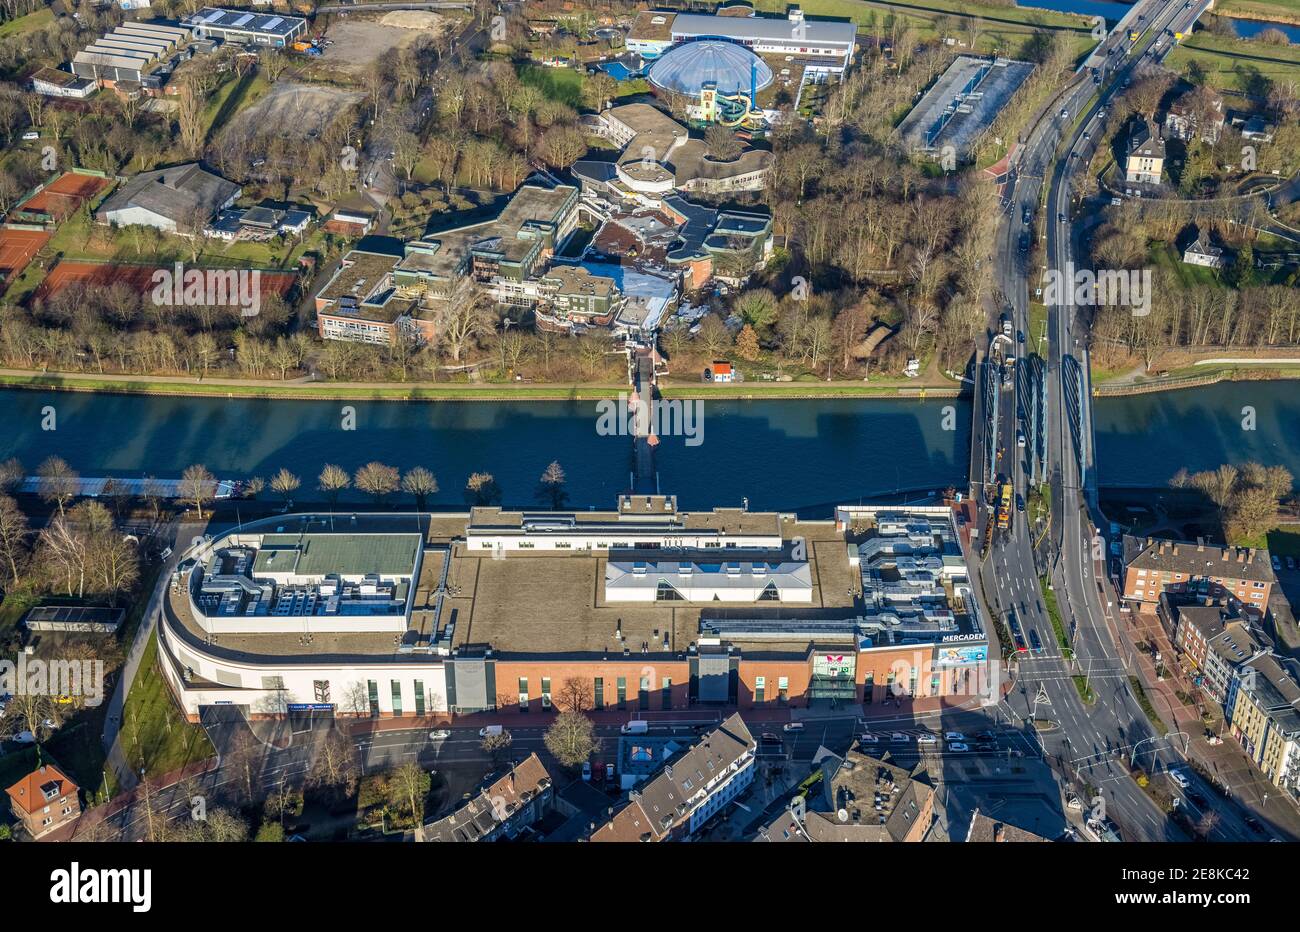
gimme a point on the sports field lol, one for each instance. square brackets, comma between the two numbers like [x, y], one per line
[17, 248]
[138, 277]
[65, 194]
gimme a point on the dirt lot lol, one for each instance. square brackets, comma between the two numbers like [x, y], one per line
[298, 111]
[358, 43]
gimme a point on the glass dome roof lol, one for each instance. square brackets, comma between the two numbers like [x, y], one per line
[688, 67]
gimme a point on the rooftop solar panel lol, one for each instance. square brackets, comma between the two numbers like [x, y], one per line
[243, 20]
[272, 22]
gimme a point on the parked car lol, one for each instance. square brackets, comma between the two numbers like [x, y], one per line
[986, 736]
[868, 738]
[1178, 777]
[1277, 563]
[23, 737]
[586, 771]
[926, 738]
[957, 747]
[899, 738]
[1290, 563]
[953, 736]
[609, 773]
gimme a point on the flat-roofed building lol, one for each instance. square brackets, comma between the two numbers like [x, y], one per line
[249, 28]
[509, 610]
[55, 83]
[827, 44]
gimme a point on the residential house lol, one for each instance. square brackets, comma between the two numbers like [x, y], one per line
[1187, 118]
[503, 809]
[1266, 718]
[1146, 155]
[44, 802]
[1203, 252]
[689, 790]
[985, 829]
[860, 798]
[181, 199]
[1214, 641]
[1242, 575]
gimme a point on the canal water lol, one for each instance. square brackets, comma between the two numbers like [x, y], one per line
[788, 454]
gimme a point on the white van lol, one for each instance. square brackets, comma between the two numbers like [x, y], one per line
[30, 135]
[635, 728]
[488, 730]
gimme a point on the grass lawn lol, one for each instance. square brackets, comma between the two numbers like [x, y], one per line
[1085, 690]
[1054, 613]
[562, 84]
[32, 21]
[230, 98]
[1281, 11]
[153, 733]
[1141, 695]
[1166, 256]
[12, 610]
[443, 391]
[1036, 338]
[1235, 64]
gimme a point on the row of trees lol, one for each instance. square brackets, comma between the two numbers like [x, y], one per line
[378, 480]
[1247, 496]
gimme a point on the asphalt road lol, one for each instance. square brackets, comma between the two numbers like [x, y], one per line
[1091, 739]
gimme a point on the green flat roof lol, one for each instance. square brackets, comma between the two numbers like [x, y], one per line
[346, 554]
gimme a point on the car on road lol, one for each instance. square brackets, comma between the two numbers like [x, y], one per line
[899, 738]
[1060, 218]
[1020, 502]
[1016, 632]
[769, 738]
[793, 726]
[1034, 642]
[1020, 439]
[439, 734]
[1255, 826]
[1065, 113]
[586, 771]
[1197, 800]
[1029, 215]
[926, 738]
[957, 747]
[639, 727]
[868, 738]
[953, 736]
[487, 730]
[1179, 777]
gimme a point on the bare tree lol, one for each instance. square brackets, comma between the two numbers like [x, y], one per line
[14, 534]
[550, 487]
[58, 482]
[333, 480]
[421, 483]
[376, 479]
[198, 486]
[285, 483]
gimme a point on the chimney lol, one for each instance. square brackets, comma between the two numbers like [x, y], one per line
[998, 833]
[1175, 546]
[1200, 545]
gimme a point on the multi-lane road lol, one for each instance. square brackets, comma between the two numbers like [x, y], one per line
[1094, 740]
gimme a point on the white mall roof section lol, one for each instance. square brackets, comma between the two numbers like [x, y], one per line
[733, 581]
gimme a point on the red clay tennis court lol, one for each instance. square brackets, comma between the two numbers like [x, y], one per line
[65, 194]
[138, 277]
[17, 248]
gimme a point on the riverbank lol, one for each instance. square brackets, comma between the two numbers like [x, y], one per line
[309, 390]
[1266, 11]
[1196, 375]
